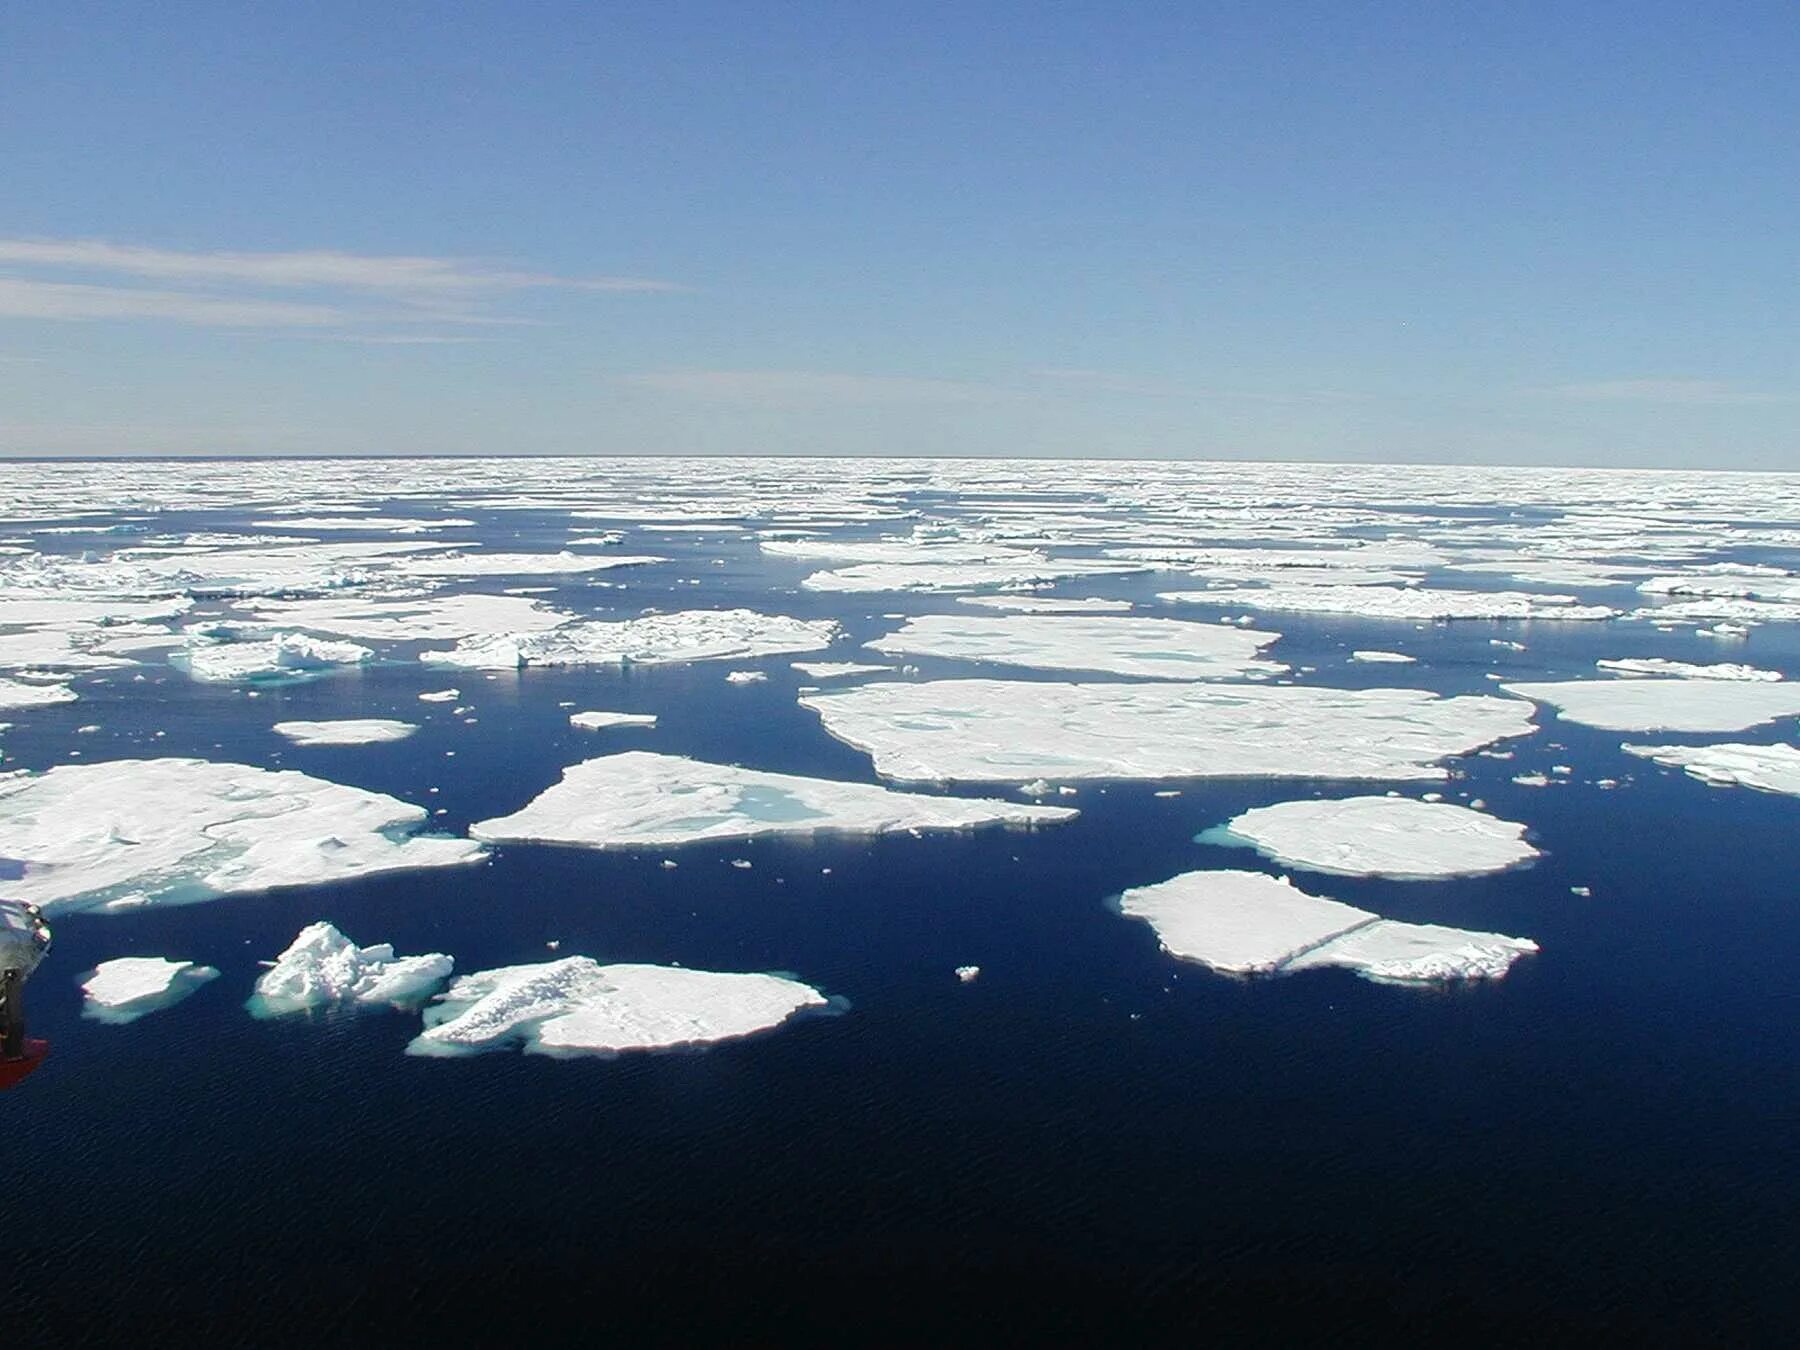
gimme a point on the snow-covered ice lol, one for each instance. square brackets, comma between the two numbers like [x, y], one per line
[348, 731]
[1385, 602]
[215, 658]
[684, 635]
[577, 1006]
[1665, 705]
[826, 670]
[130, 987]
[641, 799]
[169, 831]
[599, 721]
[1394, 837]
[1008, 731]
[1768, 768]
[1383, 658]
[322, 966]
[1156, 648]
[1687, 670]
[19, 694]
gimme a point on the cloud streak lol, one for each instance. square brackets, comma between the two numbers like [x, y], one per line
[30, 299]
[808, 388]
[1713, 393]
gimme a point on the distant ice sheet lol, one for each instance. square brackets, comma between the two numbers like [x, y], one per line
[1665, 705]
[1248, 923]
[1155, 648]
[577, 1006]
[169, 831]
[1008, 731]
[640, 799]
[1687, 670]
[322, 966]
[1385, 602]
[131, 987]
[684, 635]
[350, 731]
[1768, 768]
[1382, 837]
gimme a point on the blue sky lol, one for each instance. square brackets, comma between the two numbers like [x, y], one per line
[1514, 233]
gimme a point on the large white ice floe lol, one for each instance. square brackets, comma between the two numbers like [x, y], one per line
[1010, 731]
[132, 832]
[216, 658]
[600, 721]
[1171, 649]
[1386, 602]
[1380, 837]
[831, 670]
[577, 1006]
[515, 564]
[1665, 705]
[640, 798]
[1248, 923]
[435, 618]
[1687, 670]
[684, 635]
[971, 576]
[322, 966]
[131, 987]
[348, 731]
[19, 694]
[1768, 768]
[1046, 604]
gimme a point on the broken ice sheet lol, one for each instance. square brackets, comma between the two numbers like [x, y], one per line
[1665, 705]
[1394, 837]
[1767, 768]
[321, 966]
[130, 987]
[348, 731]
[1154, 648]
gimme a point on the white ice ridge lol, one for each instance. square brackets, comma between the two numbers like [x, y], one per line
[18, 694]
[1384, 658]
[599, 721]
[1665, 705]
[1768, 768]
[322, 966]
[1385, 602]
[1171, 649]
[1247, 923]
[1011, 731]
[640, 798]
[213, 658]
[577, 1006]
[349, 731]
[1393, 837]
[128, 988]
[1687, 670]
[826, 670]
[685, 635]
[134, 832]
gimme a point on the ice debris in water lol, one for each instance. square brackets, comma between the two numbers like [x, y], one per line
[1383, 658]
[131, 987]
[577, 1006]
[968, 974]
[600, 721]
[746, 677]
[349, 731]
[641, 798]
[826, 670]
[215, 658]
[323, 966]
[1001, 730]
[1385, 602]
[1393, 837]
[1656, 665]
[18, 694]
[1173, 649]
[169, 831]
[1249, 923]
[686, 635]
[1666, 705]
[1768, 768]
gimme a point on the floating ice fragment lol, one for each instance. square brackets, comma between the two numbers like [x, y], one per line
[131, 987]
[746, 677]
[322, 966]
[18, 694]
[825, 670]
[1388, 658]
[349, 731]
[599, 721]
[1383, 602]
[686, 635]
[1380, 836]
[1666, 705]
[214, 658]
[1656, 665]
[439, 695]
[968, 974]
[1156, 648]
[1768, 768]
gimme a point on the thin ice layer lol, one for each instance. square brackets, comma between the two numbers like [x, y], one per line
[1008, 731]
[577, 1006]
[1767, 768]
[168, 831]
[641, 798]
[1393, 837]
[322, 966]
[1665, 705]
[1170, 649]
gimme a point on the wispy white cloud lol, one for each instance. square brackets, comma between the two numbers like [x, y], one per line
[22, 298]
[815, 388]
[399, 274]
[1707, 392]
[1076, 380]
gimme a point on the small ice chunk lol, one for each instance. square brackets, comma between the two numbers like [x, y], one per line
[599, 721]
[1767, 768]
[350, 731]
[826, 670]
[440, 695]
[1391, 602]
[130, 987]
[216, 659]
[323, 966]
[1656, 665]
[1380, 836]
[1389, 952]
[18, 694]
[1239, 922]
[968, 974]
[1387, 658]
[746, 677]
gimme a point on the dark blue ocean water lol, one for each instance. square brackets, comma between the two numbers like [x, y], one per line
[1092, 1143]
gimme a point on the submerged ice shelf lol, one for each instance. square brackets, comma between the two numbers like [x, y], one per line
[1394, 837]
[1249, 923]
[578, 1006]
[641, 798]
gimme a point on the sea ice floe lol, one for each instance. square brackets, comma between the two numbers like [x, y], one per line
[349, 731]
[1687, 670]
[746, 677]
[577, 1006]
[19, 694]
[640, 799]
[322, 966]
[599, 721]
[1394, 837]
[440, 696]
[685, 635]
[1665, 705]
[1248, 923]
[826, 670]
[215, 658]
[1046, 604]
[1155, 648]
[515, 564]
[131, 987]
[132, 832]
[410, 619]
[972, 576]
[1384, 658]
[1768, 768]
[1011, 731]
[1385, 602]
